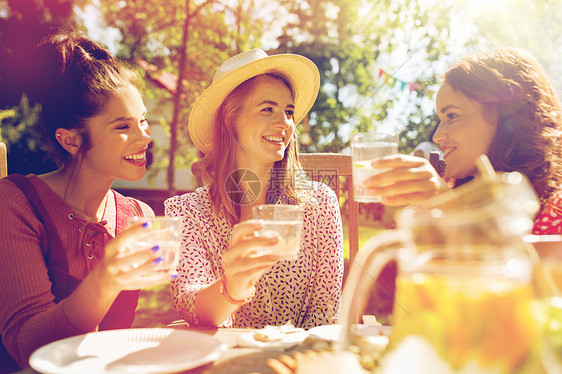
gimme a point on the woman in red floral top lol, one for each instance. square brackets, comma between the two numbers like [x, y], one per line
[549, 220]
[499, 103]
[511, 93]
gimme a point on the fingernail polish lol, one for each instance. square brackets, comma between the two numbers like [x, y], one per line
[158, 260]
[174, 276]
[156, 248]
[146, 224]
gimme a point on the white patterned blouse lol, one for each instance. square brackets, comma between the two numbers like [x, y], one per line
[305, 291]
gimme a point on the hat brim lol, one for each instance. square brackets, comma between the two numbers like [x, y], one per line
[303, 77]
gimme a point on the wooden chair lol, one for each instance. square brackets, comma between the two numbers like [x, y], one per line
[3, 160]
[328, 168]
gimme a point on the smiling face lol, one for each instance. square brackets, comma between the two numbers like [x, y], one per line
[465, 131]
[119, 137]
[265, 124]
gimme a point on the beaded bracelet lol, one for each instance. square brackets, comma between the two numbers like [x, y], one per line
[222, 290]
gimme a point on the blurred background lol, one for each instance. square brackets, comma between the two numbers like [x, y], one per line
[379, 61]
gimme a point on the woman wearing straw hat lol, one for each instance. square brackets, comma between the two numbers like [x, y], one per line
[244, 123]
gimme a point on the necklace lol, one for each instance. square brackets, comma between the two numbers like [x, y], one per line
[85, 215]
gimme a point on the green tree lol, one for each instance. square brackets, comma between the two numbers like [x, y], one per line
[348, 40]
[535, 25]
[187, 40]
[22, 137]
[23, 23]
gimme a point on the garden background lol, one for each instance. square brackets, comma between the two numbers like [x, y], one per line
[379, 62]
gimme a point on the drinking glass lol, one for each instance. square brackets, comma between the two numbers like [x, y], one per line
[365, 147]
[283, 221]
[164, 232]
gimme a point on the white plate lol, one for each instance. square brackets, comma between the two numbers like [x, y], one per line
[136, 351]
[333, 332]
[273, 337]
[371, 338]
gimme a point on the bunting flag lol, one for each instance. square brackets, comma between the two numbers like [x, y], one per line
[412, 86]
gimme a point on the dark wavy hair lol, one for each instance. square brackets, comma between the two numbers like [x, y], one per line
[75, 77]
[511, 83]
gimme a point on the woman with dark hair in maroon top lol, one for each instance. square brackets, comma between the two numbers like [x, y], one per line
[64, 270]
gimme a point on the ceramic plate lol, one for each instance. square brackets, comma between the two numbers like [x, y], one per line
[273, 337]
[333, 332]
[139, 351]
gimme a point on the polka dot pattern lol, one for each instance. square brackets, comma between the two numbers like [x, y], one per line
[549, 219]
[305, 291]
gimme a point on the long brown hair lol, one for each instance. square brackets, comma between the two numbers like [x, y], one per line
[513, 84]
[75, 80]
[218, 166]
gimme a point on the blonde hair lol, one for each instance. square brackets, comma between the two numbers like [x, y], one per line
[218, 166]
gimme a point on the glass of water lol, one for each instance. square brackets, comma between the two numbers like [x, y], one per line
[164, 233]
[282, 221]
[365, 147]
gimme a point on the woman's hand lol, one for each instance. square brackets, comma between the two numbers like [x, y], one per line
[410, 180]
[242, 267]
[120, 269]
[132, 269]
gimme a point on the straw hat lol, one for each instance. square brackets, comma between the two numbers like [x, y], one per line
[302, 74]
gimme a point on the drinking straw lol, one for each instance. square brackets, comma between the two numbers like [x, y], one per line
[487, 172]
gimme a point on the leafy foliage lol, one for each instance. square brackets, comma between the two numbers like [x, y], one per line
[347, 40]
[22, 25]
[538, 29]
[153, 30]
[23, 139]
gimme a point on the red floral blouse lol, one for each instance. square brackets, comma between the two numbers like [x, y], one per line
[549, 219]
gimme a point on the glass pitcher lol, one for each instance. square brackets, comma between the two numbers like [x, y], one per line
[463, 288]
